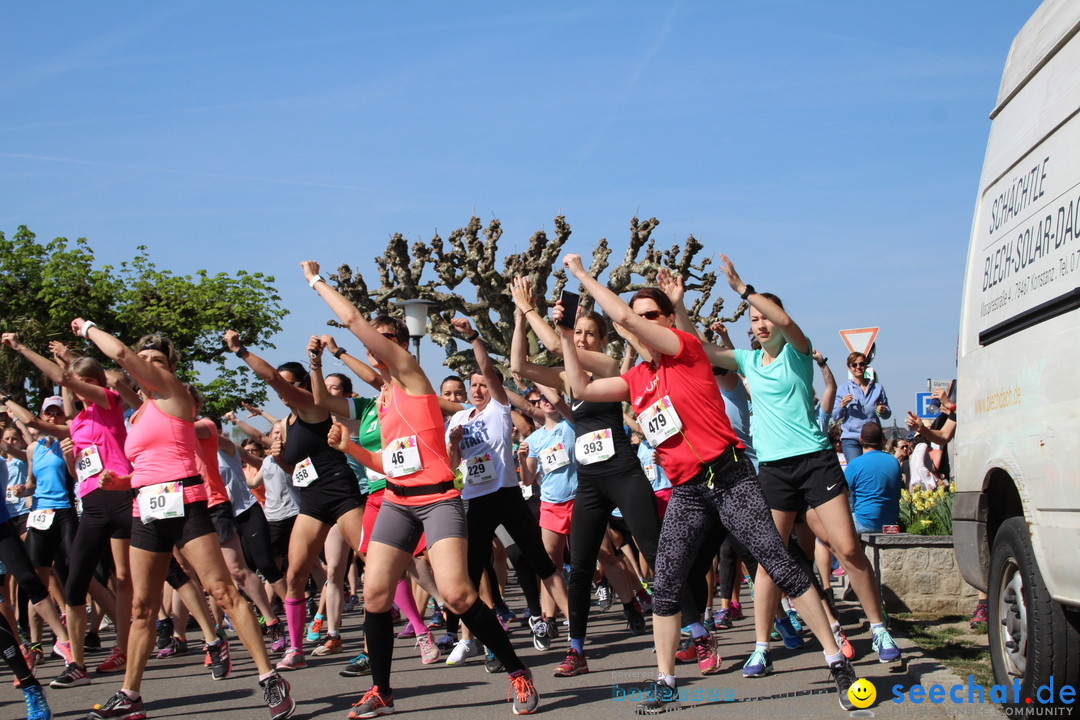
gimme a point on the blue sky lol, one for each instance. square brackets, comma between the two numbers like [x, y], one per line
[833, 150]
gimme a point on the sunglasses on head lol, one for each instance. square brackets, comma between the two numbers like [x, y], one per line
[650, 314]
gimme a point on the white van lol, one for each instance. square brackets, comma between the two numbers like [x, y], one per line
[1016, 519]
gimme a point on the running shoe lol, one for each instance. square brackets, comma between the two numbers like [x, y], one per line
[844, 677]
[708, 659]
[981, 615]
[885, 646]
[407, 632]
[523, 693]
[116, 662]
[796, 621]
[220, 659]
[505, 613]
[359, 665]
[447, 642]
[176, 646]
[276, 635]
[604, 595]
[735, 611]
[372, 704]
[644, 600]
[493, 664]
[843, 643]
[351, 601]
[660, 698]
[464, 650]
[164, 633]
[686, 652]
[332, 646]
[540, 633]
[792, 639]
[315, 629]
[710, 623]
[63, 650]
[438, 620]
[276, 694]
[722, 619]
[293, 660]
[36, 706]
[119, 707]
[395, 614]
[839, 572]
[73, 676]
[572, 665]
[429, 651]
[92, 642]
[759, 664]
[635, 620]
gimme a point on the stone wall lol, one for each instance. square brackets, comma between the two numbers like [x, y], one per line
[915, 578]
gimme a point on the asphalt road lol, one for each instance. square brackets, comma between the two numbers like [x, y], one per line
[800, 688]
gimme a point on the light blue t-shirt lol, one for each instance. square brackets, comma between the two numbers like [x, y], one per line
[737, 407]
[784, 418]
[50, 472]
[646, 454]
[560, 484]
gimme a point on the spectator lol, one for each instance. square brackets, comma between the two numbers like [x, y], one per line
[874, 483]
[859, 400]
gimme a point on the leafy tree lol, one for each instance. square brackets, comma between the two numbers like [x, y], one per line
[468, 260]
[44, 286]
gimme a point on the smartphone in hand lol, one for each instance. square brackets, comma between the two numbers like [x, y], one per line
[569, 302]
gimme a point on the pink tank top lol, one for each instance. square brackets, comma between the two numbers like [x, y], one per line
[102, 431]
[404, 416]
[162, 449]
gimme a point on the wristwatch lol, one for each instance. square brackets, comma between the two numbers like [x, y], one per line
[748, 292]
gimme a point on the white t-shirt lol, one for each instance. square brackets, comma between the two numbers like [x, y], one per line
[486, 449]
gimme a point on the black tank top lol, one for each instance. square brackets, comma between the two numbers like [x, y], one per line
[592, 416]
[308, 440]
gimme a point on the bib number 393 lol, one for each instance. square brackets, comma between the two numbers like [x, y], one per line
[595, 447]
[401, 457]
[161, 502]
[304, 473]
[660, 421]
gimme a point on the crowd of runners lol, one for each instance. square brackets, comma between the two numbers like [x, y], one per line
[650, 481]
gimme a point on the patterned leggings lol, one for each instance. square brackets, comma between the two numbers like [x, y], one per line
[736, 501]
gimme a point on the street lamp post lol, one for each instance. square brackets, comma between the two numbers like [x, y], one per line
[416, 312]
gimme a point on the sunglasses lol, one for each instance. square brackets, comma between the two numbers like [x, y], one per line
[52, 411]
[651, 314]
[389, 336]
[534, 402]
[857, 364]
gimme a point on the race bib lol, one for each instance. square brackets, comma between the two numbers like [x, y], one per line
[41, 519]
[478, 470]
[659, 421]
[554, 457]
[650, 472]
[305, 473]
[595, 447]
[88, 463]
[161, 501]
[401, 457]
[10, 497]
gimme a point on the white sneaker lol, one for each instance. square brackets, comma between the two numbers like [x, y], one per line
[463, 650]
[541, 632]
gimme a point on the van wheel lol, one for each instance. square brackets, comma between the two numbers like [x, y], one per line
[1030, 636]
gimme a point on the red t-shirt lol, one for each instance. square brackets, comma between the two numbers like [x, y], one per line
[687, 380]
[206, 458]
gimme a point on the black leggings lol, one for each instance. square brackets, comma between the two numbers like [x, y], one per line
[13, 554]
[254, 534]
[596, 498]
[504, 507]
[736, 501]
[9, 648]
[106, 514]
[53, 547]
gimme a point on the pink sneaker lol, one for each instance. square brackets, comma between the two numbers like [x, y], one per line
[429, 651]
[735, 611]
[708, 659]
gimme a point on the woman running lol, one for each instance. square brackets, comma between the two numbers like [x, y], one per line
[421, 497]
[170, 512]
[712, 478]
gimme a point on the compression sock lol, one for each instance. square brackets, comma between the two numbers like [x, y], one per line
[295, 612]
[485, 626]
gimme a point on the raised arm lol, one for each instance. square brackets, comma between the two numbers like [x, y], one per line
[55, 373]
[661, 338]
[402, 365]
[360, 368]
[258, 412]
[27, 418]
[597, 363]
[519, 359]
[792, 333]
[249, 430]
[337, 405]
[719, 355]
[483, 360]
[613, 389]
[828, 397]
[117, 381]
[291, 395]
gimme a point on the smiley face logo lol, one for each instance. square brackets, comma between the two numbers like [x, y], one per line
[862, 693]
